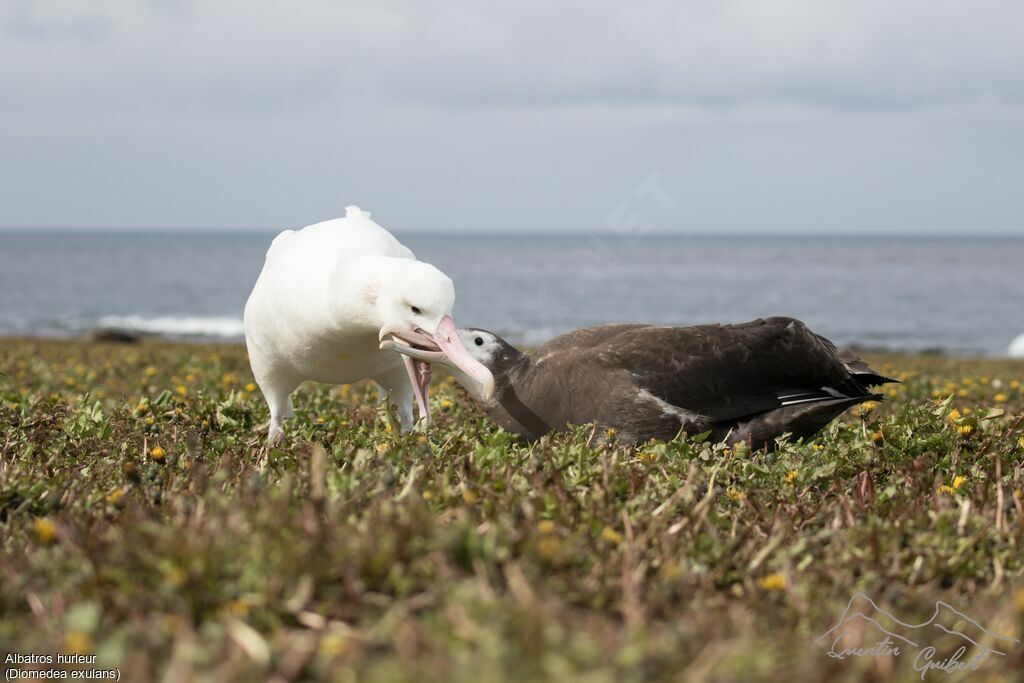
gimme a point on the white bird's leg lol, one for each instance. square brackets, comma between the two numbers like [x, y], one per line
[278, 394]
[397, 391]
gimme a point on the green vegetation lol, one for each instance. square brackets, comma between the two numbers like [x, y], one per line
[144, 520]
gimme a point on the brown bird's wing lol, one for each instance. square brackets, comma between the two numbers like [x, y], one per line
[725, 372]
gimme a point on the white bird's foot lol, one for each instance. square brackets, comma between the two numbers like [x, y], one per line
[274, 434]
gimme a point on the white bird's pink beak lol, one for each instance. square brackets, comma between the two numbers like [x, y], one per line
[420, 348]
[419, 377]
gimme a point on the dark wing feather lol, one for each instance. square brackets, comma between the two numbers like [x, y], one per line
[730, 371]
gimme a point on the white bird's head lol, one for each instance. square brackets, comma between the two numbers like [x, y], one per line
[414, 307]
[413, 295]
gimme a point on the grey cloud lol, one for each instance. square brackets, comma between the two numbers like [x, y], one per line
[792, 115]
[466, 54]
[24, 23]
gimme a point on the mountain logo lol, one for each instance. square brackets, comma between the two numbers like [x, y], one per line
[867, 630]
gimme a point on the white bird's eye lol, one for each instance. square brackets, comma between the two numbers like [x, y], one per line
[415, 310]
[479, 341]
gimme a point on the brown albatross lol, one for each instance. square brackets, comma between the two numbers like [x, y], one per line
[750, 382]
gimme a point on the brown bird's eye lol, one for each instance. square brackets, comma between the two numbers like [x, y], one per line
[479, 341]
[415, 310]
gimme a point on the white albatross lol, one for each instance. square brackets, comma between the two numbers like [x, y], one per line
[327, 295]
[1016, 348]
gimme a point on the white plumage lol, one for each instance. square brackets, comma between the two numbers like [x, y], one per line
[1016, 348]
[326, 297]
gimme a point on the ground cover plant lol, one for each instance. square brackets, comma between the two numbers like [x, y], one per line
[145, 521]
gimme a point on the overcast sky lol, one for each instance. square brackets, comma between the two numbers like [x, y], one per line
[706, 116]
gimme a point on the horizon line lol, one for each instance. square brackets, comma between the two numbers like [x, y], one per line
[520, 232]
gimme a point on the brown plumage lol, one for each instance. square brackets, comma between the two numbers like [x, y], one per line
[749, 382]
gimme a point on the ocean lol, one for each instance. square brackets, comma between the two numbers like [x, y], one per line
[956, 296]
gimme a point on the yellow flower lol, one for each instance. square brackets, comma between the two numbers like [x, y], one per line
[227, 378]
[190, 378]
[819, 446]
[669, 571]
[445, 404]
[250, 387]
[611, 535]
[46, 531]
[773, 582]
[181, 390]
[791, 476]
[150, 420]
[142, 408]
[115, 496]
[1000, 398]
[238, 608]
[150, 371]
[175, 576]
[958, 481]
[877, 437]
[947, 489]
[868, 407]
[77, 643]
[335, 644]
[954, 415]
[965, 430]
[1020, 442]
[548, 547]
[157, 453]
[734, 494]
[427, 495]
[546, 526]
[1014, 384]
[963, 393]
[611, 432]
